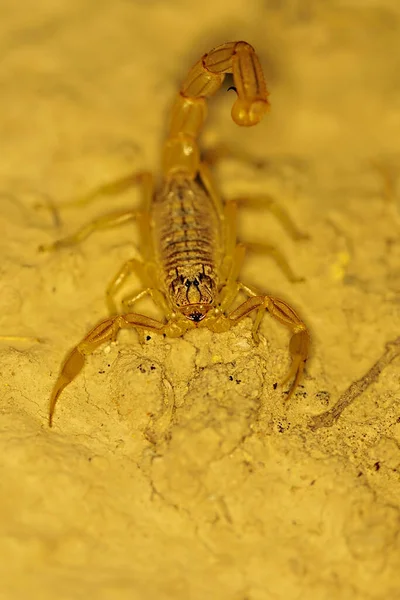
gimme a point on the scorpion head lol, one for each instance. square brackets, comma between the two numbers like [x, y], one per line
[194, 295]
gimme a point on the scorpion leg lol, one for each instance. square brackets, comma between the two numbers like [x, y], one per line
[113, 219]
[266, 202]
[155, 294]
[277, 256]
[130, 267]
[145, 271]
[100, 334]
[158, 298]
[106, 222]
[231, 268]
[233, 257]
[282, 312]
[269, 249]
[19, 338]
[206, 178]
[112, 188]
[258, 247]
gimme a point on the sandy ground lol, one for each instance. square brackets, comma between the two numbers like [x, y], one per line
[174, 470]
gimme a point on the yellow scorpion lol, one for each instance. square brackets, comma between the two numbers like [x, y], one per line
[191, 260]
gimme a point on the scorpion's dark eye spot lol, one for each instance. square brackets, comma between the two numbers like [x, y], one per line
[196, 282]
[196, 316]
[188, 283]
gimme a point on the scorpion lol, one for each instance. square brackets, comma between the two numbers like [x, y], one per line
[191, 259]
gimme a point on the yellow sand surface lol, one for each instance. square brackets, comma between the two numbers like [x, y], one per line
[174, 470]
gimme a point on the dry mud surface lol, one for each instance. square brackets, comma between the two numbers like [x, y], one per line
[175, 470]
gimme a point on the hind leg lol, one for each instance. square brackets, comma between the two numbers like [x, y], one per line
[110, 220]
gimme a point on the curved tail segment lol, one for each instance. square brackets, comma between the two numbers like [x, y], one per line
[181, 153]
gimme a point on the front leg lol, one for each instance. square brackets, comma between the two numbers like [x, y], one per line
[282, 312]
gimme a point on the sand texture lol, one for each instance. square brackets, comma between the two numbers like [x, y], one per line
[174, 470]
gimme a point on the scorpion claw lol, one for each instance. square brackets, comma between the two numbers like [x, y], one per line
[299, 345]
[72, 366]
